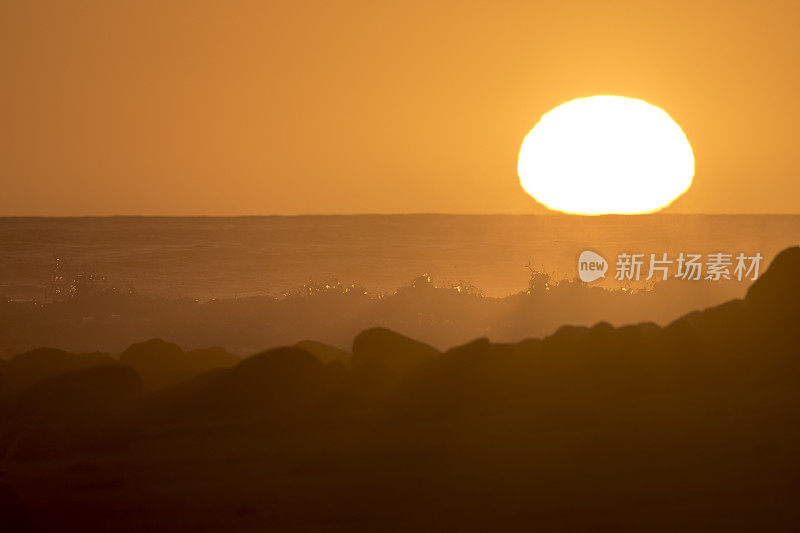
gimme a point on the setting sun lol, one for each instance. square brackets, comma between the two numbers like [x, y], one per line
[606, 154]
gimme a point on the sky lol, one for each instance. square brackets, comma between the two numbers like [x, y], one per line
[291, 107]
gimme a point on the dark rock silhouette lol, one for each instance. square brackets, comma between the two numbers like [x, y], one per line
[209, 358]
[29, 367]
[162, 363]
[777, 291]
[284, 378]
[87, 392]
[379, 350]
[324, 352]
[281, 382]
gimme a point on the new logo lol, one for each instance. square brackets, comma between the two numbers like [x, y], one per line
[591, 266]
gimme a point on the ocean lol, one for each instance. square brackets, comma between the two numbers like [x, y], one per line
[210, 257]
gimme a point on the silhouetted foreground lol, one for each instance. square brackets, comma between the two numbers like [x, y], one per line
[693, 427]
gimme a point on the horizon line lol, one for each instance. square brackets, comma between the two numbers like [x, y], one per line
[298, 215]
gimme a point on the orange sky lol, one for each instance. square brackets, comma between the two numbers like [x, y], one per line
[287, 107]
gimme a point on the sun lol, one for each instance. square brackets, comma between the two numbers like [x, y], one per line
[604, 155]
